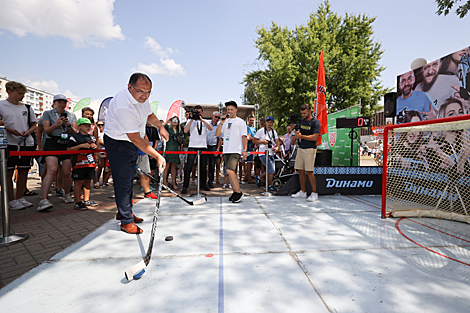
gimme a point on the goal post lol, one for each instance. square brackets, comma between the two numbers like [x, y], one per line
[426, 169]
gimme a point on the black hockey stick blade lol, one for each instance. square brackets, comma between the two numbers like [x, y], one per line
[138, 270]
[196, 202]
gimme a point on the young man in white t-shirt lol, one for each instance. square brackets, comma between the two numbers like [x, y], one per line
[197, 128]
[266, 137]
[20, 122]
[234, 135]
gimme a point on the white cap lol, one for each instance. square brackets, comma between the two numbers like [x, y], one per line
[59, 97]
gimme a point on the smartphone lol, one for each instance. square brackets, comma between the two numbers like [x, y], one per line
[63, 114]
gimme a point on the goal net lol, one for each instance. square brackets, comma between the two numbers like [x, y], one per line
[426, 169]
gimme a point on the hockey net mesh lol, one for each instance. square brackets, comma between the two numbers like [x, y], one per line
[428, 171]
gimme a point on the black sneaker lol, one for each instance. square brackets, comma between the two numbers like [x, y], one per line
[231, 197]
[80, 206]
[211, 185]
[206, 188]
[237, 197]
[184, 191]
[91, 203]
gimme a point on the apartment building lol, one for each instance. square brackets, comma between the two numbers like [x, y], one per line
[39, 100]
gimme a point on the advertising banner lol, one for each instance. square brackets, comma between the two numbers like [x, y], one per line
[338, 140]
[438, 89]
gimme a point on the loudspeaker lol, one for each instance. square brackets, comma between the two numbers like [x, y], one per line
[390, 104]
[323, 157]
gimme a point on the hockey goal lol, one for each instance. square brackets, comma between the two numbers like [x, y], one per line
[426, 169]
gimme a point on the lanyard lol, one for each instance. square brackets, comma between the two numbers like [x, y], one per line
[199, 127]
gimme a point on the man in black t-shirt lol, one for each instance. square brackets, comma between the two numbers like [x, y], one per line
[304, 162]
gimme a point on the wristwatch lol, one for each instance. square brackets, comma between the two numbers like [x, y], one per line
[245, 150]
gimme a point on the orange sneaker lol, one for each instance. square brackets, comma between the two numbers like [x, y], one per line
[131, 228]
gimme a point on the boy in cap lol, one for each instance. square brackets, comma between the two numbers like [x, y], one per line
[83, 164]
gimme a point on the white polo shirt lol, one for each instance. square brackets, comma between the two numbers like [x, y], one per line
[126, 115]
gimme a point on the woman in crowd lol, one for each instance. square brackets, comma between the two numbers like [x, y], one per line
[174, 144]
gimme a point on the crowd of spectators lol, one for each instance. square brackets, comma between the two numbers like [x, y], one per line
[71, 176]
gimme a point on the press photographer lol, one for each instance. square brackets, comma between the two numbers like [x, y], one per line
[197, 128]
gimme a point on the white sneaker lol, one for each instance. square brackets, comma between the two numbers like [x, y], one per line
[313, 197]
[44, 204]
[299, 194]
[25, 203]
[16, 205]
[68, 199]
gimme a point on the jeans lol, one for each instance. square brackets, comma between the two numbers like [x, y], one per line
[211, 159]
[202, 167]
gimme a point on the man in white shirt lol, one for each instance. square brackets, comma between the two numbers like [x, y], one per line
[266, 137]
[234, 132]
[128, 113]
[20, 122]
[197, 127]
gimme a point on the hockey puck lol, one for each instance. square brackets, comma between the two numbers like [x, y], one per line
[168, 238]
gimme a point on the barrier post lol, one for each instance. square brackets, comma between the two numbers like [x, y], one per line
[7, 237]
[198, 194]
[266, 193]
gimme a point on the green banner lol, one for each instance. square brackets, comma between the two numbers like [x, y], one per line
[85, 102]
[154, 106]
[338, 139]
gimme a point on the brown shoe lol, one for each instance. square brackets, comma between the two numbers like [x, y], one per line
[136, 219]
[131, 228]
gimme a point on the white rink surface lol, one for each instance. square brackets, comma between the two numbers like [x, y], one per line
[274, 254]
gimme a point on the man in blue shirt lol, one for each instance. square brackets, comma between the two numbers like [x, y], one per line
[251, 132]
[414, 100]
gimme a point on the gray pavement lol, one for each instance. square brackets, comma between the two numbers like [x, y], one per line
[52, 231]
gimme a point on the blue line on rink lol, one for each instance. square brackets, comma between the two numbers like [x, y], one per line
[221, 261]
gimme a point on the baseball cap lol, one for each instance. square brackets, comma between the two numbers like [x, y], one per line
[83, 120]
[269, 118]
[59, 97]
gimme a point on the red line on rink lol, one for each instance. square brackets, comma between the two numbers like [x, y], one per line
[397, 226]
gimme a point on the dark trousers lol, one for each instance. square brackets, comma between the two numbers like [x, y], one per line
[202, 167]
[122, 156]
[211, 160]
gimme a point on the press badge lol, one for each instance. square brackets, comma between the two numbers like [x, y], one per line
[90, 158]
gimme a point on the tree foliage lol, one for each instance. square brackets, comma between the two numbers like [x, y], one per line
[444, 7]
[291, 59]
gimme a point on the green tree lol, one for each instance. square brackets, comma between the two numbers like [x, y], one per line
[291, 59]
[444, 7]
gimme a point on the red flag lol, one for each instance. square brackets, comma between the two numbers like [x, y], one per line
[320, 101]
[174, 110]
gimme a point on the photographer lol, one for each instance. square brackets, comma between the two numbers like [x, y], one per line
[197, 127]
[265, 138]
[308, 134]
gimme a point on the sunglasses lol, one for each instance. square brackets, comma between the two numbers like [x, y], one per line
[100, 125]
[217, 117]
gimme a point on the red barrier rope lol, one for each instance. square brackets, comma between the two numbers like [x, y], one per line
[61, 152]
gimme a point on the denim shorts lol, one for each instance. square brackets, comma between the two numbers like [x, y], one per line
[271, 169]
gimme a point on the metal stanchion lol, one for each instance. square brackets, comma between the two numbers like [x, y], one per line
[198, 194]
[266, 167]
[7, 237]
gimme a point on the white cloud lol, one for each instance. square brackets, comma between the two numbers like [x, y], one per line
[162, 113]
[85, 22]
[166, 66]
[46, 85]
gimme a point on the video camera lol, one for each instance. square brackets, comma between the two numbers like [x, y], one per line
[270, 144]
[194, 114]
[295, 119]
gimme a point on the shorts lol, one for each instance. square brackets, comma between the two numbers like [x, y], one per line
[231, 161]
[143, 163]
[52, 145]
[251, 157]
[305, 159]
[20, 162]
[85, 173]
[271, 169]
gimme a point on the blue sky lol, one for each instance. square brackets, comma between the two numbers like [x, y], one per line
[193, 50]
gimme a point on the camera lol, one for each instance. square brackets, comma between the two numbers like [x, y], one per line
[295, 119]
[194, 114]
[270, 144]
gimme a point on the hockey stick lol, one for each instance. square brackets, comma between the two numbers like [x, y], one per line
[138, 270]
[200, 201]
